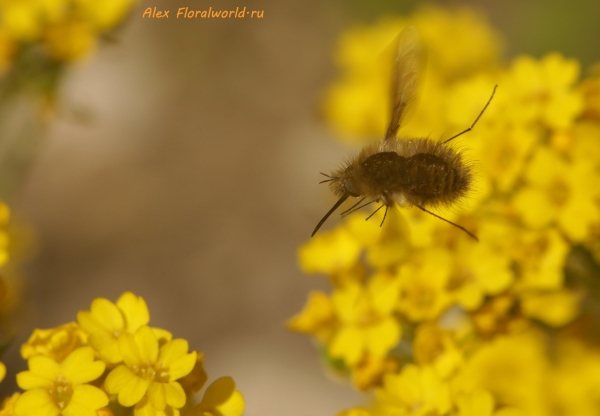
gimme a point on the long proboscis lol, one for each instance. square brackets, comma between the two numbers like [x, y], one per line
[337, 204]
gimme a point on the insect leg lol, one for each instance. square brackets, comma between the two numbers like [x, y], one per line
[476, 120]
[384, 215]
[362, 199]
[345, 213]
[449, 222]
[374, 212]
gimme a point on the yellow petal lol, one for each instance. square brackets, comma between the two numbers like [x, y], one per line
[107, 314]
[147, 344]
[222, 396]
[181, 366]
[79, 367]
[156, 395]
[107, 346]
[382, 337]
[36, 402]
[130, 352]
[175, 394]
[85, 401]
[135, 310]
[348, 344]
[133, 391]
[118, 378]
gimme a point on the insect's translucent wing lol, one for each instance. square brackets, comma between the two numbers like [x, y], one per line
[409, 66]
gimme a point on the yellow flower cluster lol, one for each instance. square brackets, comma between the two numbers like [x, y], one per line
[422, 316]
[67, 29]
[110, 362]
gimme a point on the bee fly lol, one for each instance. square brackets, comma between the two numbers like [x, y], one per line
[416, 172]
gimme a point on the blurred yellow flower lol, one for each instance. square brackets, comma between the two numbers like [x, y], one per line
[221, 398]
[424, 280]
[8, 405]
[543, 91]
[415, 391]
[559, 192]
[56, 343]
[366, 324]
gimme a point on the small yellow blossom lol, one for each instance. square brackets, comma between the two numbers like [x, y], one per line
[2, 371]
[195, 380]
[148, 377]
[543, 91]
[415, 390]
[8, 405]
[423, 281]
[61, 388]
[559, 192]
[329, 251]
[555, 308]
[366, 321]
[106, 321]
[317, 316]
[221, 398]
[355, 411]
[56, 343]
[435, 347]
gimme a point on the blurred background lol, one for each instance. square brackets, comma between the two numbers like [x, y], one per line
[183, 166]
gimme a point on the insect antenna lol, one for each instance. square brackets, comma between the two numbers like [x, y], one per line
[449, 222]
[337, 204]
[375, 212]
[384, 215]
[476, 120]
[352, 209]
[326, 180]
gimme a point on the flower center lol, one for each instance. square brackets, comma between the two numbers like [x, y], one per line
[61, 391]
[152, 371]
[558, 193]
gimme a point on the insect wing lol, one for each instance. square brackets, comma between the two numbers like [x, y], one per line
[409, 66]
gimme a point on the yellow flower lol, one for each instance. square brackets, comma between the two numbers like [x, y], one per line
[2, 371]
[195, 380]
[366, 321]
[540, 258]
[543, 91]
[512, 369]
[435, 347]
[56, 343]
[355, 411]
[555, 308]
[559, 192]
[369, 371]
[61, 388]
[148, 376]
[106, 14]
[221, 398]
[70, 40]
[329, 251]
[484, 268]
[424, 280]
[8, 405]
[477, 403]
[316, 318]
[106, 321]
[415, 390]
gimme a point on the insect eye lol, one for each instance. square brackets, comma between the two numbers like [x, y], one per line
[350, 188]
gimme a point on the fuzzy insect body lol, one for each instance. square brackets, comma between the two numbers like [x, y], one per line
[416, 172]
